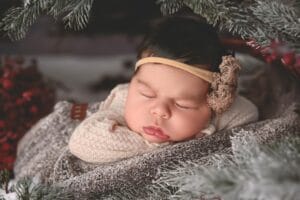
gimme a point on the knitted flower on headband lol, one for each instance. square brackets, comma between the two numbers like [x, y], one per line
[224, 85]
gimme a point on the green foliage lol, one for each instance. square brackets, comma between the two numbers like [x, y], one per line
[252, 171]
[4, 179]
[259, 20]
[78, 13]
[26, 189]
[74, 13]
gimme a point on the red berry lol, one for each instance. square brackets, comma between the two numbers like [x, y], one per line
[274, 56]
[275, 43]
[288, 58]
[5, 147]
[12, 135]
[27, 95]
[33, 109]
[12, 116]
[297, 62]
[7, 106]
[18, 88]
[297, 66]
[9, 159]
[20, 101]
[7, 84]
[268, 58]
[2, 124]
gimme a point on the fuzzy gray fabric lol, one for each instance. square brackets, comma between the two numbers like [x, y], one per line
[43, 151]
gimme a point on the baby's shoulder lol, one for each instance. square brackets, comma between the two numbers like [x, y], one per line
[242, 104]
[242, 111]
[242, 101]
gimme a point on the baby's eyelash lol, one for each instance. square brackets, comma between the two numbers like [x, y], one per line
[146, 95]
[183, 107]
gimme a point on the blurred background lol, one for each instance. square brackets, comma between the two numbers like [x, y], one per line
[84, 65]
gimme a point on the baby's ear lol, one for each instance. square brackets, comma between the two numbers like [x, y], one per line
[209, 130]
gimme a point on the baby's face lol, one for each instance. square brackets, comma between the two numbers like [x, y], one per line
[166, 104]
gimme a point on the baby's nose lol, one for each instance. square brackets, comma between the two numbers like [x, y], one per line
[161, 111]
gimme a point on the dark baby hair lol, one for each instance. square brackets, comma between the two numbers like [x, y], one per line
[183, 38]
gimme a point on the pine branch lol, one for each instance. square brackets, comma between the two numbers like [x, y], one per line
[78, 13]
[58, 8]
[26, 189]
[17, 21]
[252, 171]
[282, 20]
[4, 179]
[260, 20]
[170, 6]
[74, 13]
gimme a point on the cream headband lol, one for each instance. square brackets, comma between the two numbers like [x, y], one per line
[202, 73]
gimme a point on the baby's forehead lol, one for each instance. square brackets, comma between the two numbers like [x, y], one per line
[179, 91]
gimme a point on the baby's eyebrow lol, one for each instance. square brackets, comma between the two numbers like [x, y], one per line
[143, 83]
[186, 95]
[189, 97]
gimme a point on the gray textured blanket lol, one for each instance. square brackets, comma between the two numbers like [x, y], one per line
[43, 150]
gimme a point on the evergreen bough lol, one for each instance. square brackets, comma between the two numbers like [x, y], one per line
[74, 13]
[258, 20]
[248, 170]
[252, 171]
[29, 189]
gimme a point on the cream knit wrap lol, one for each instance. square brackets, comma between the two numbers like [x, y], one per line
[104, 136]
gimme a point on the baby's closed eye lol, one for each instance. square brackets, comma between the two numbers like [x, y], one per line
[146, 92]
[147, 95]
[185, 106]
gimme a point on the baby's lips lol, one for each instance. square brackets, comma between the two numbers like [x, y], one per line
[151, 130]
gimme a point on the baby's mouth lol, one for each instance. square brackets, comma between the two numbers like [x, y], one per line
[155, 131]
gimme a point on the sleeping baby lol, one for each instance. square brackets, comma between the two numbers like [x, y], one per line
[184, 87]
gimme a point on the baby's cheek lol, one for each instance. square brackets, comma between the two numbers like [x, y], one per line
[128, 112]
[130, 120]
[189, 126]
[132, 116]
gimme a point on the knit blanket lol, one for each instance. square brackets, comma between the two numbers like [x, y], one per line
[43, 152]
